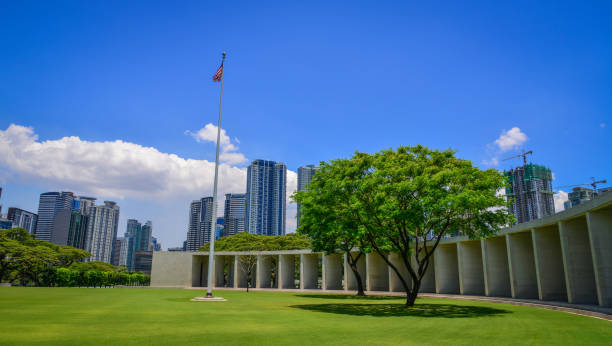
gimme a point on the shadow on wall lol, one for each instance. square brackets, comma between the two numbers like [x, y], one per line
[418, 310]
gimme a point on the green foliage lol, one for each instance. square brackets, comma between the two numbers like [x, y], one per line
[28, 261]
[252, 242]
[402, 201]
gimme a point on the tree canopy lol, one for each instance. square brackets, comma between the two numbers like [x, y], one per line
[254, 242]
[402, 201]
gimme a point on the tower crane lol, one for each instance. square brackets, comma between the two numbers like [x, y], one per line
[593, 183]
[524, 155]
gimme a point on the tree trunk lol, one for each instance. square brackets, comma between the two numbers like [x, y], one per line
[360, 291]
[412, 294]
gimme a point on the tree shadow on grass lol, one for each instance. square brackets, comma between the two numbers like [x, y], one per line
[346, 296]
[418, 310]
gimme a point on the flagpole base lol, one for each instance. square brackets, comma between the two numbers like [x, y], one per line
[208, 299]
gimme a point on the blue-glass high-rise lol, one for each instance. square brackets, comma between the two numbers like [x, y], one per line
[266, 197]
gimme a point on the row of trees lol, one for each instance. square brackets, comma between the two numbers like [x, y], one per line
[30, 262]
[400, 201]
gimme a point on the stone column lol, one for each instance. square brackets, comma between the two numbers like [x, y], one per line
[600, 234]
[471, 274]
[219, 271]
[577, 261]
[523, 279]
[309, 271]
[332, 271]
[549, 263]
[495, 267]
[395, 284]
[377, 272]
[240, 275]
[286, 271]
[264, 271]
[447, 269]
[349, 276]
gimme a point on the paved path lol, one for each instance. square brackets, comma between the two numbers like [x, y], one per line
[578, 309]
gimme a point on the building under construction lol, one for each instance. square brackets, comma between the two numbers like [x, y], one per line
[531, 191]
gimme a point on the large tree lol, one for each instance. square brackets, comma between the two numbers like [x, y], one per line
[328, 222]
[405, 201]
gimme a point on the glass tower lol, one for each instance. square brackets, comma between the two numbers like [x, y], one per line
[266, 197]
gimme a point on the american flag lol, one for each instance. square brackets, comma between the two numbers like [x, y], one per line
[217, 77]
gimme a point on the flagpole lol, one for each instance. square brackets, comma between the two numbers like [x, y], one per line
[213, 223]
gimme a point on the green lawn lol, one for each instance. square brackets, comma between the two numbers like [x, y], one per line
[146, 316]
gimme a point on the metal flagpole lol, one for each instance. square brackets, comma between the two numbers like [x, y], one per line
[213, 223]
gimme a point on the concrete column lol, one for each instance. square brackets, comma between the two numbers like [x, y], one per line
[549, 263]
[240, 274]
[600, 235]
[377, 272]
[332, 271]
[495, 267]
[219, 271]
[578, 261]
[446, 269]
[309, 271]
[395, 284]
[523, 279]
[349, 276]
[264, 271]
[286, 271]
[428, 282]
[199, 271]
[471, 274]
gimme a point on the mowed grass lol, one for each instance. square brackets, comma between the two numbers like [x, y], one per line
[82, 316]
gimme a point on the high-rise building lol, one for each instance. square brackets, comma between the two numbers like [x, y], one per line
[102, 231]
[305, 174]
[157, 246]
[234, 214]
[23, 219]
[133, 236]
[531, 189]
[266, 197]
[146, 237]
[77, 231]
[116, 252]
[200, 222]
[123, 253]
[49, 205]
[579, 195]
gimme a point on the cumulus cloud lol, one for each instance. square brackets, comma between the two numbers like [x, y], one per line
[507, 140]
[560, 197]
[229, 152]
[510, 139]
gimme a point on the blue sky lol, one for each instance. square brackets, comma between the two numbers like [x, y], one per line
[303, 83]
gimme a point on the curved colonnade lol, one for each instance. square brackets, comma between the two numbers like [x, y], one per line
[564, 257]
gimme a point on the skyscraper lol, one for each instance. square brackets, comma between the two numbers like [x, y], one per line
[266, 197]
[49, 205]
[234, 214]
[305, 174]
[23, 219]
[146, 237]
[102, 231]
[200, 219]
[531, 189]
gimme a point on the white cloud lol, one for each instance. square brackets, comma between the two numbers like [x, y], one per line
[228, 150]
[507, 140]
[118, 170]
[560, 197]
[511, 139]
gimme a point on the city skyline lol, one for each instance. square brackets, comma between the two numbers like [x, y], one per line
[127, 115]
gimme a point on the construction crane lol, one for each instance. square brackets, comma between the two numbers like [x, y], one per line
[524, 155]
[593, 183]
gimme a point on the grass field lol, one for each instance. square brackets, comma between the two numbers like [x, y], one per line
[81, 316]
